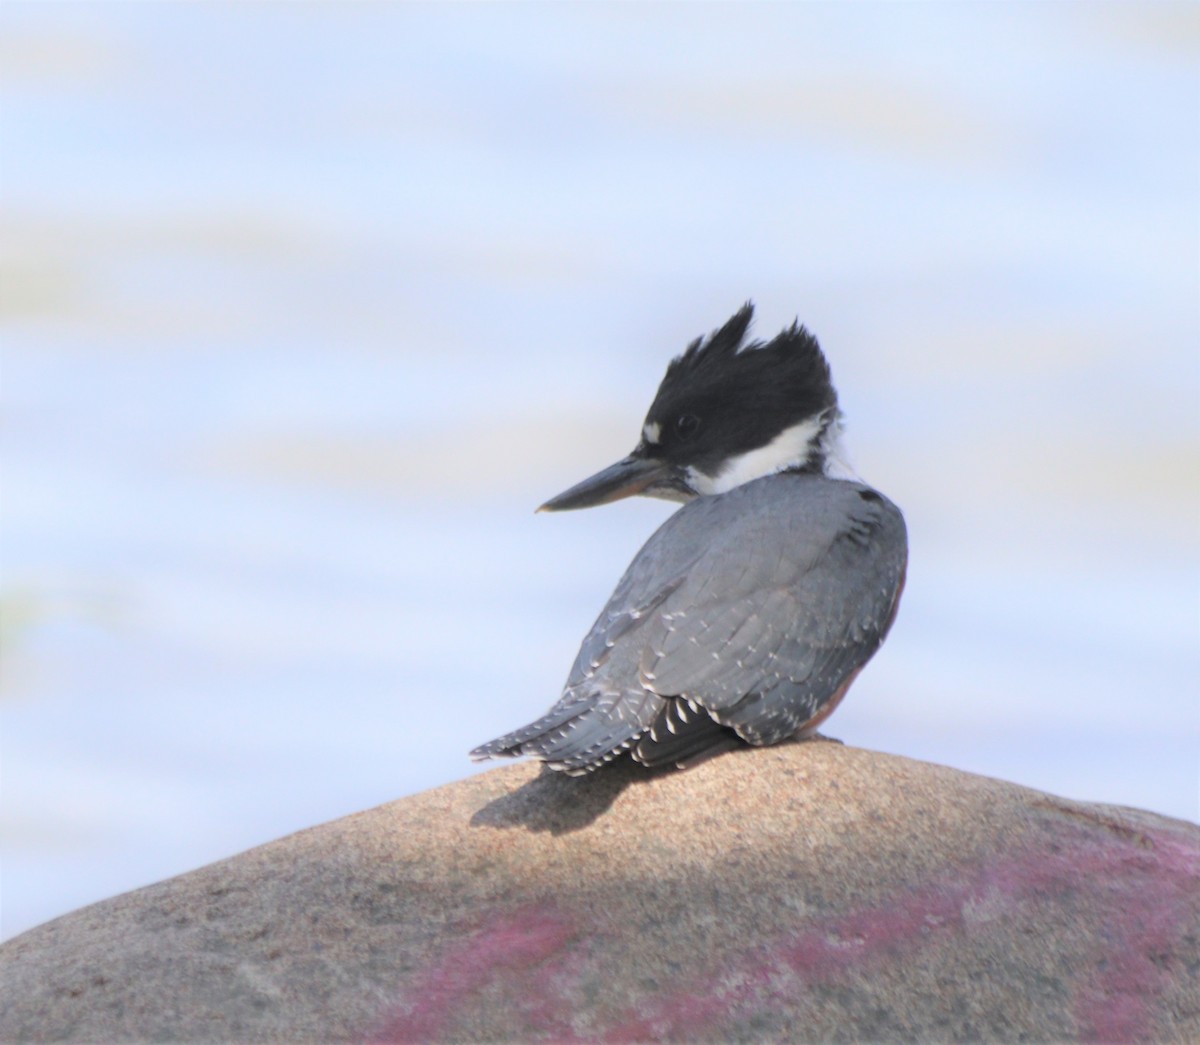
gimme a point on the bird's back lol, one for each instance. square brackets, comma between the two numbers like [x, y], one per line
[743, 616]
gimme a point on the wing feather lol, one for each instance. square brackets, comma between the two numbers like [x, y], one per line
[756, 606]
[765, 649]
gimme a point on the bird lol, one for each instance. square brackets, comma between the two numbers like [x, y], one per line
[747, 615]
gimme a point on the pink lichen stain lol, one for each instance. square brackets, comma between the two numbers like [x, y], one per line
[1146, 886]
[1150, 894]
[671, 1018]
[817, 955]
[512, 949]
[1150, 911]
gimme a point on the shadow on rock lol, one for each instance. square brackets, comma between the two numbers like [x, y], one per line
[557, 803]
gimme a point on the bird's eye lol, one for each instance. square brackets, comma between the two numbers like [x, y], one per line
[687, 425]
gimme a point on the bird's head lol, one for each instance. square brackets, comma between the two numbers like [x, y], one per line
[727, 412]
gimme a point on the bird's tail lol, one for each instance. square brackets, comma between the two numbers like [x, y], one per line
[576, 737]
[683, 735]
[579, 735]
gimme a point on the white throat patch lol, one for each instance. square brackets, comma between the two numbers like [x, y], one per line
[837, 463]
[790, 449]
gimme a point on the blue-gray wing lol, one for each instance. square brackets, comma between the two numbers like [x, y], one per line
[603, 709]
[755, 606]
[790, 604]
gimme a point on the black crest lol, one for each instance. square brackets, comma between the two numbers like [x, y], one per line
[725, 395]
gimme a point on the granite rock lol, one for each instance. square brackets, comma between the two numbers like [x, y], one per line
[805, 892]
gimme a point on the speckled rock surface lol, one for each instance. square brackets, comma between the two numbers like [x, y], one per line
[807, 892]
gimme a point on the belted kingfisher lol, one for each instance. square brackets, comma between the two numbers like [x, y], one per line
[747, 615]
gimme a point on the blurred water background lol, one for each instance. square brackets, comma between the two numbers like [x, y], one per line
[305, 307]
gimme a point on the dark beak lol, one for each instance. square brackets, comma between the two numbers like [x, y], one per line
[629, 476]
